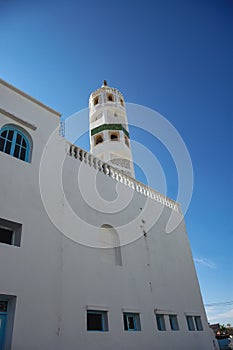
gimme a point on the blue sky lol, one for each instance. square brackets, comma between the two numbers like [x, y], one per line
[173, 56]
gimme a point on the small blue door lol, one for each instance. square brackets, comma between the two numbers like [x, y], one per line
[2, 329]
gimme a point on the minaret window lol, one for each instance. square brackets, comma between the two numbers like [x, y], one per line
[110, 97]
[122, 102]
[96, 100]
[114, 136]
[98, 139]
[126, 141]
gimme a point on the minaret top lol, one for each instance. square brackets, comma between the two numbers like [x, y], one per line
[106, 94]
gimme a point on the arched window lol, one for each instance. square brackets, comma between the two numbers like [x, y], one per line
[110, 242]
[126, 141]
[110, 97]
[13, 141]
[98, 139]
[114, 136]
[96, 100]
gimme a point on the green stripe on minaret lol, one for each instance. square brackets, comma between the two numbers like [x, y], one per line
[109, 127]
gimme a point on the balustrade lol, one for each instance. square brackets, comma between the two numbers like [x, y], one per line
[78, 153]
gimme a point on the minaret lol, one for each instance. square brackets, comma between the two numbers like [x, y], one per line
[109, 132]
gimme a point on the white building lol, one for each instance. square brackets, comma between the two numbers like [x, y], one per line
[57, 290]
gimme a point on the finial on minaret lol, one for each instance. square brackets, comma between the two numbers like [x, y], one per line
[105, 83]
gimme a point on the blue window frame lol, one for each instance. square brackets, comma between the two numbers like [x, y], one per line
[97, 321]
[194, 323]
[131, 321]
[3, 318]
[14, 142]
[198, 323]
[190, 323]
[10, 233]
[173, 322]
[160, 322]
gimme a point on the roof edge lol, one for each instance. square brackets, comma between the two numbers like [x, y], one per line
[3, 82]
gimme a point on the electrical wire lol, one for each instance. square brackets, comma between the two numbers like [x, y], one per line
[221, 303]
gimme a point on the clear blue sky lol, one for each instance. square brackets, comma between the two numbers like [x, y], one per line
[174, 56]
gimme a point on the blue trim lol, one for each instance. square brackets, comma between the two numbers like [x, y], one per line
[104, 324]
[160, 322]
[136, 321]
[3, 316]
[174, 323]
[13, 142]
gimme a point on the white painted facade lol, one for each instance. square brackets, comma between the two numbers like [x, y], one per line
[57, 275]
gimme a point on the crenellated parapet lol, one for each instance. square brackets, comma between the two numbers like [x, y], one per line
[106, 94]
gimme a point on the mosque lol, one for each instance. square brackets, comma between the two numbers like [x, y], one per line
[85, 258]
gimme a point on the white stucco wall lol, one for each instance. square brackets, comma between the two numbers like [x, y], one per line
[55, 278]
